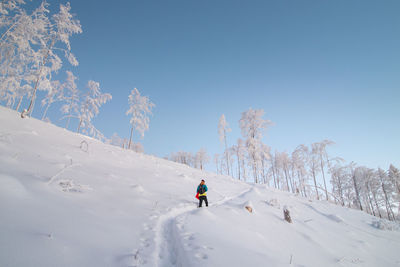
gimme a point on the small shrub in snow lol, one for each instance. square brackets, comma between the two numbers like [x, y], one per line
[386, 225]
[286, 215]
[250, 209]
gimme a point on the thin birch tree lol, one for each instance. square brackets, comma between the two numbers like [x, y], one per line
[139, 108]
[223, 129]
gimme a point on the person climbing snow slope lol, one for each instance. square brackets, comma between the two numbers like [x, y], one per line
[202, 192]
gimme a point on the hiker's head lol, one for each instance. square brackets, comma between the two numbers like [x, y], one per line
[202, 182]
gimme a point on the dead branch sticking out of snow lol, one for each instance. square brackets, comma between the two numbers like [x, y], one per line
[84, 146]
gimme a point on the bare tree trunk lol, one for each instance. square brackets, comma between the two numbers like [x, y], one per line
[301, 186]
[130, 138]
[79, 126]
[238, 163]
[376, 205]
[334, 197]
[315, 183]
[19, 103]
[304, 186]
[371, 205]
[255, 171]
[369, 198]
[69, 114]
[231, 164]
[263, 167]
[68, 120]
[33, 98]
[340, 190]
[278, 180]
[286, 177]
[387, 203]
[398, 193]
[356, 190]
[244, 170]
[45, 111]
[291, 182]
[226, 153]
[323, 176]
[273, 171]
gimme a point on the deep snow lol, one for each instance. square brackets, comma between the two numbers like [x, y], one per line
[65, 204]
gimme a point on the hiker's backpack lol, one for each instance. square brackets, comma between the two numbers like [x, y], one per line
[201, 189]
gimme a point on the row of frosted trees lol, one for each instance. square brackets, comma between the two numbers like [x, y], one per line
[308, 170]
[33, 48]
[196, 160]
[374, 191]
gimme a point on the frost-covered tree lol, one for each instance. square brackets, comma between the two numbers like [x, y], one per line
[314, 169]
[216, 162]
[338, 177]
[299, 161]
[89, 109]
[223, 128]
[374, 187]
[363, 188]
[365, 175]
[367, 191]
[55, 41]
[201, 158]
[319, 150]
[31, 45]
[265, 156]
[387, 190]
[71, 98]
[116, 140]
[284, 162]
[355, 178]
[139, 108]
[182, 157]
[239, 151]
[137, 147]
[241, 147]
[21, 36]
[12, 13]
[54, 94]
[274, 169]
[394, 177]
[252, 126]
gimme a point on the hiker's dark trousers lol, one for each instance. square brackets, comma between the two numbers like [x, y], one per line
[201, 198]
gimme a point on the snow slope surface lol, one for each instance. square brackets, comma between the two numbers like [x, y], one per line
[69, 200]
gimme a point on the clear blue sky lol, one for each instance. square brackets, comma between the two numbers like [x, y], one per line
[320, 70]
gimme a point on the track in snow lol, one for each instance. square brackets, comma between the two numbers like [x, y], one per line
[168, 246]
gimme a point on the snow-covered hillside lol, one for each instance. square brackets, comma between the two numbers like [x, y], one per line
[69, 200]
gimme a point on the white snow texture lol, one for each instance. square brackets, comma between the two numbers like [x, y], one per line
[61, 205]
